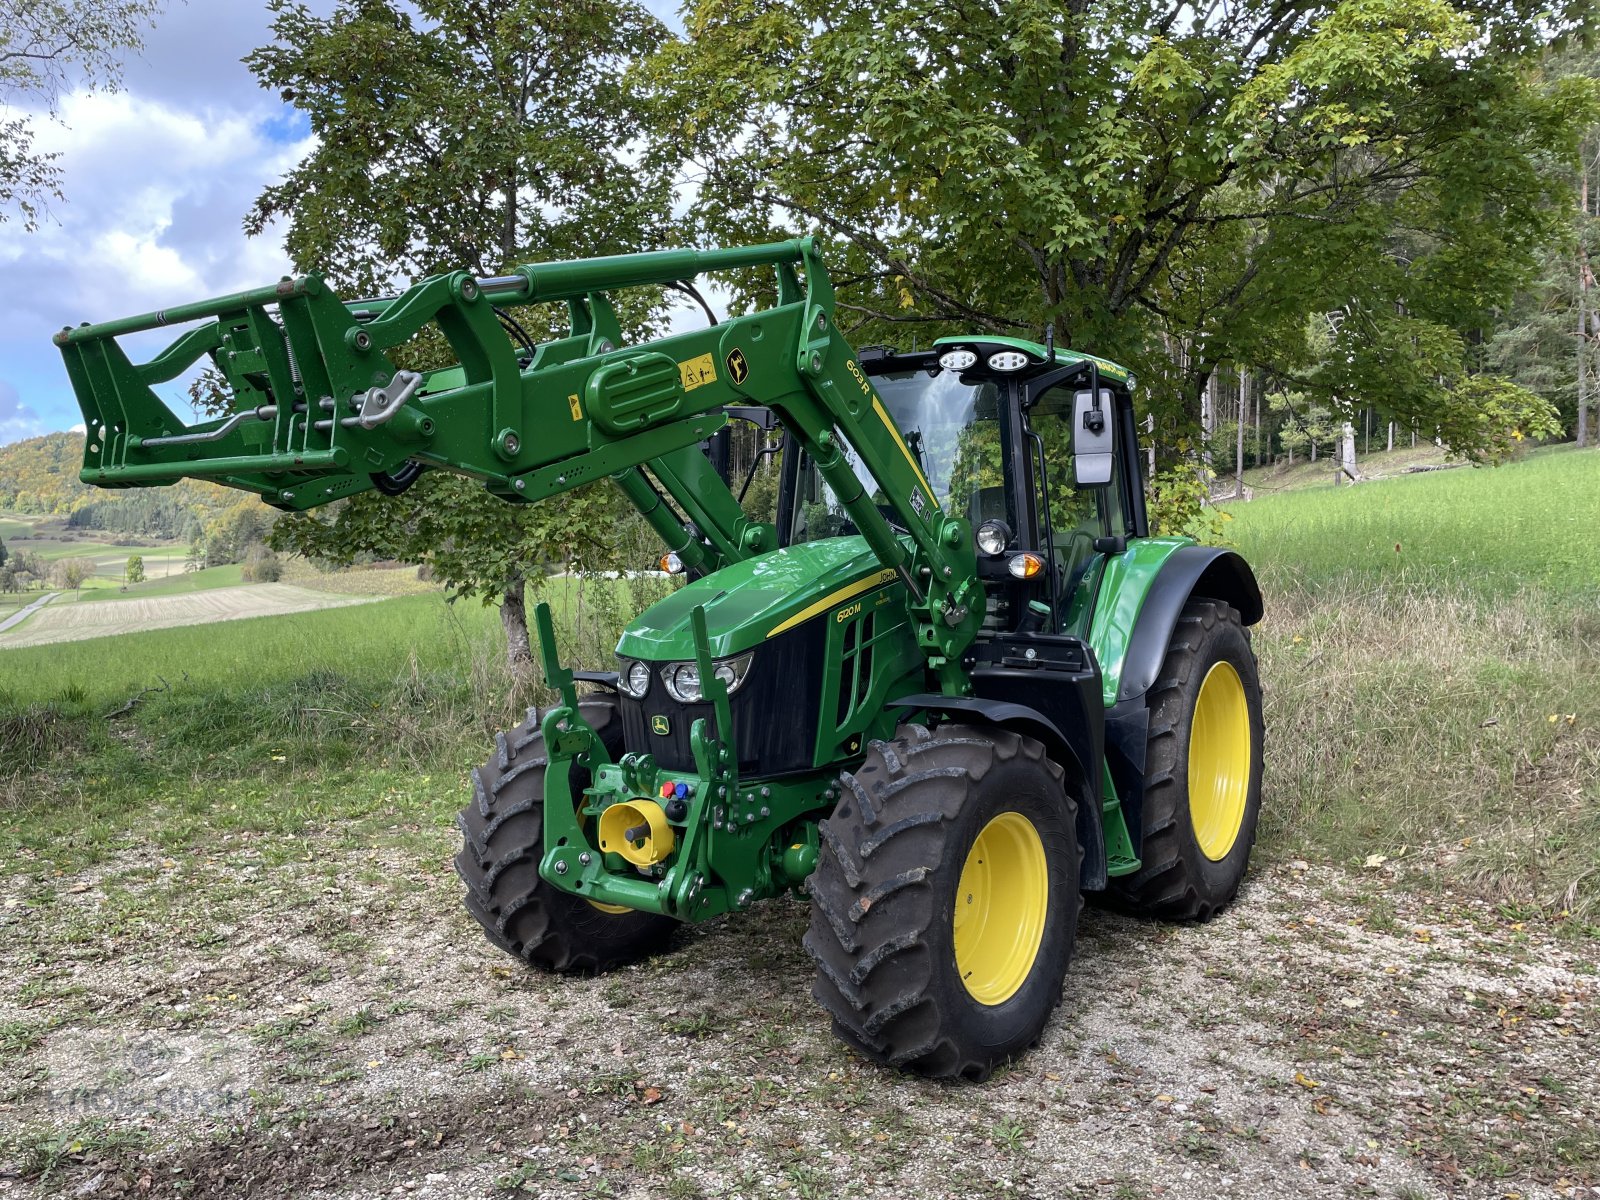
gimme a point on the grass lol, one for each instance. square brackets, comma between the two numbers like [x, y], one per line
[323, 720]
[1434, 704]
[1490, 531]
[175, 585]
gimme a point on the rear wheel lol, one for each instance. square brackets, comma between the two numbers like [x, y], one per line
[1202, 791]
[945, 900]
[502, 833]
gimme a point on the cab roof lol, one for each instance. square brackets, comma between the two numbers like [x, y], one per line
[1035, 350]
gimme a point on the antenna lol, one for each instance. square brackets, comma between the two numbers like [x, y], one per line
[1050, 341]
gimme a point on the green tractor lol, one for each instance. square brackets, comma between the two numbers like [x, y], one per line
[952, 688]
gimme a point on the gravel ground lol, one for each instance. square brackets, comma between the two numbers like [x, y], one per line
[280, 1019]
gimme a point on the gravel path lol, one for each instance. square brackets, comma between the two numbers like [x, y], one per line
[21, 615]
[330, 1027]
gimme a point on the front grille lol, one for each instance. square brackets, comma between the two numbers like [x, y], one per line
[774, 713]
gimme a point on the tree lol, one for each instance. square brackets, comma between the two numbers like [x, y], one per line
[4, 553]
[1176, 186]
[70, 573]
[467, 136]
[261, 565]
[47, 46]
[134, 571]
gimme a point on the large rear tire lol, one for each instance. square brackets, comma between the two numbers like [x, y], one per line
[502, 832]
[1202, 788]
[945, 900]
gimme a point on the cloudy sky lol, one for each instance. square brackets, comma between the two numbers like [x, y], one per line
[158, 179]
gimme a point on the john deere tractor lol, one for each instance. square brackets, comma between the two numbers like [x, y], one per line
[952, 688]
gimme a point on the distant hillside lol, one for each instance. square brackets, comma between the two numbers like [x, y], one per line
[39, 476]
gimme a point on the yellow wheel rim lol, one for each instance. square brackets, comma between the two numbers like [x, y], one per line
[1000, 908]
[1219, 761]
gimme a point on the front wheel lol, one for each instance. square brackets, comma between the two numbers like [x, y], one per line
[1202, 790]
[945, 900]
[502, 833]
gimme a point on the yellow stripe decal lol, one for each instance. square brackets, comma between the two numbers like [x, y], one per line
[847, 592]
[899, 440]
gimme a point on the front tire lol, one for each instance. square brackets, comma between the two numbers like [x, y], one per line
[945, 900]
[502, 831]
[1202, 791]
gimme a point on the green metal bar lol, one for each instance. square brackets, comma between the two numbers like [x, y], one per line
[565, 280]
[305, 285]
[317, 460]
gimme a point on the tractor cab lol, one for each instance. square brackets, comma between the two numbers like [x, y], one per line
[1036, 448]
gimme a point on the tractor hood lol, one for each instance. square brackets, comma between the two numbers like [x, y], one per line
[748, 602]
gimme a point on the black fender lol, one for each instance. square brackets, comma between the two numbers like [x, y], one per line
[1019, 718]
[1190, 571]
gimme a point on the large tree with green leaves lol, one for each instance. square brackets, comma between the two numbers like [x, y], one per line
[1176, 185]
[46, 48]
[465, 134]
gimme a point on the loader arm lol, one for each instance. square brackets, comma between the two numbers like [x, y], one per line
[319, 410]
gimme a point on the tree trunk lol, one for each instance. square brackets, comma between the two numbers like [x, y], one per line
[1391, 437]
[1238, 449]
[1347, 452]
[514, 620]
[1583, 316]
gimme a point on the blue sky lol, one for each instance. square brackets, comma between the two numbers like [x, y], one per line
[158, 178]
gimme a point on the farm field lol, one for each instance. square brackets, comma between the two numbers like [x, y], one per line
[60, 622]
[234, 960]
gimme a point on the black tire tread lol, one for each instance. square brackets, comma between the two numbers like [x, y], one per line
[1164, 886]
[502, 834]
[874, 907]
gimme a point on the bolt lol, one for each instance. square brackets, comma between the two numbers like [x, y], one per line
[288, 495]
[561, 867]
[947, 572]
[585, 858]
[766, 793]
[363, 340]
[1030, 653]
[765, 811]
[816, 364]
[722, 792]
[822, 322]
[513, 443]
[469, 289]
[749, 818]
[605, 346]
[519, 484]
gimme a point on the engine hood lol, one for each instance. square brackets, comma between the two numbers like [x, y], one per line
[748, 602]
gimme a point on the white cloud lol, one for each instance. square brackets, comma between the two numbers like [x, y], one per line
[17, 420]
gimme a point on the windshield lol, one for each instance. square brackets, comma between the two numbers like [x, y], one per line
[953, 429]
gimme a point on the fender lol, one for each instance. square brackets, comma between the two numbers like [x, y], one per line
[1021, 719]
[1208, 571]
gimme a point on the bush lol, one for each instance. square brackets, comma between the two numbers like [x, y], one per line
[261, 565]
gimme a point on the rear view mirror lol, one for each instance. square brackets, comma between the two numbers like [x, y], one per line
[1091, 438]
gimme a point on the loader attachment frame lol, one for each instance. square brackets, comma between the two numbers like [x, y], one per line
[319, 409]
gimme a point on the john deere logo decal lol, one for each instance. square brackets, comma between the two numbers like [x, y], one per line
[660, 726]
[738, 365]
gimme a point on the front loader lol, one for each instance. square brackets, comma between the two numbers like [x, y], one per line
[953, 687]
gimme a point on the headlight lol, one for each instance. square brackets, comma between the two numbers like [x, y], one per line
[1008, 360]
[634, 679]
[957, 360]
[683, 679]
[994, 537]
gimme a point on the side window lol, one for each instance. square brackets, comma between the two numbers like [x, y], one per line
[1077, 515]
